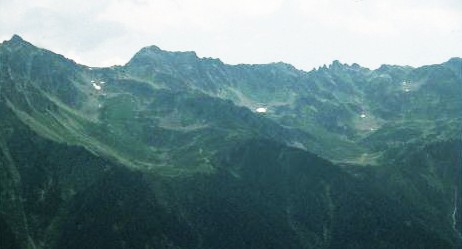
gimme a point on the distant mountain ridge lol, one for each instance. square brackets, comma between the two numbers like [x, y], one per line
[169, 151]
[337, 96]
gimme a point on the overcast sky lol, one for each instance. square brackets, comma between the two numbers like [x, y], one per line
[304, 33]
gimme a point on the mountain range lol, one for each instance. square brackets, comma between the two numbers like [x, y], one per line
[176, 151]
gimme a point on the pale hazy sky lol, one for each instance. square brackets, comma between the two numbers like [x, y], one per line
[304, 33]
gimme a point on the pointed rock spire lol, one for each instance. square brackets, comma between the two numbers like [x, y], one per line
[16, 39]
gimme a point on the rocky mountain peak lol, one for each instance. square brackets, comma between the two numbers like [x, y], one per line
[153, 53]
[16, 39]
[16, 42]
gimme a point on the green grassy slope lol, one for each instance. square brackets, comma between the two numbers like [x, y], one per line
[169, 152]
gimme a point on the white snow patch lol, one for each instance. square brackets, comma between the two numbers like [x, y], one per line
[97, 87]
[261, 109]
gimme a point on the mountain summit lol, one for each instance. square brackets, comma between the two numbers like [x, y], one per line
[16, 39]
[173, 151]
[16, 42]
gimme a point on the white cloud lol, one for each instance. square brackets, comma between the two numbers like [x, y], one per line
[381, 17]
[306, 33]
[161, 15]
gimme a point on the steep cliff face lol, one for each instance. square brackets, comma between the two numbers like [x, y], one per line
[169, 151]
